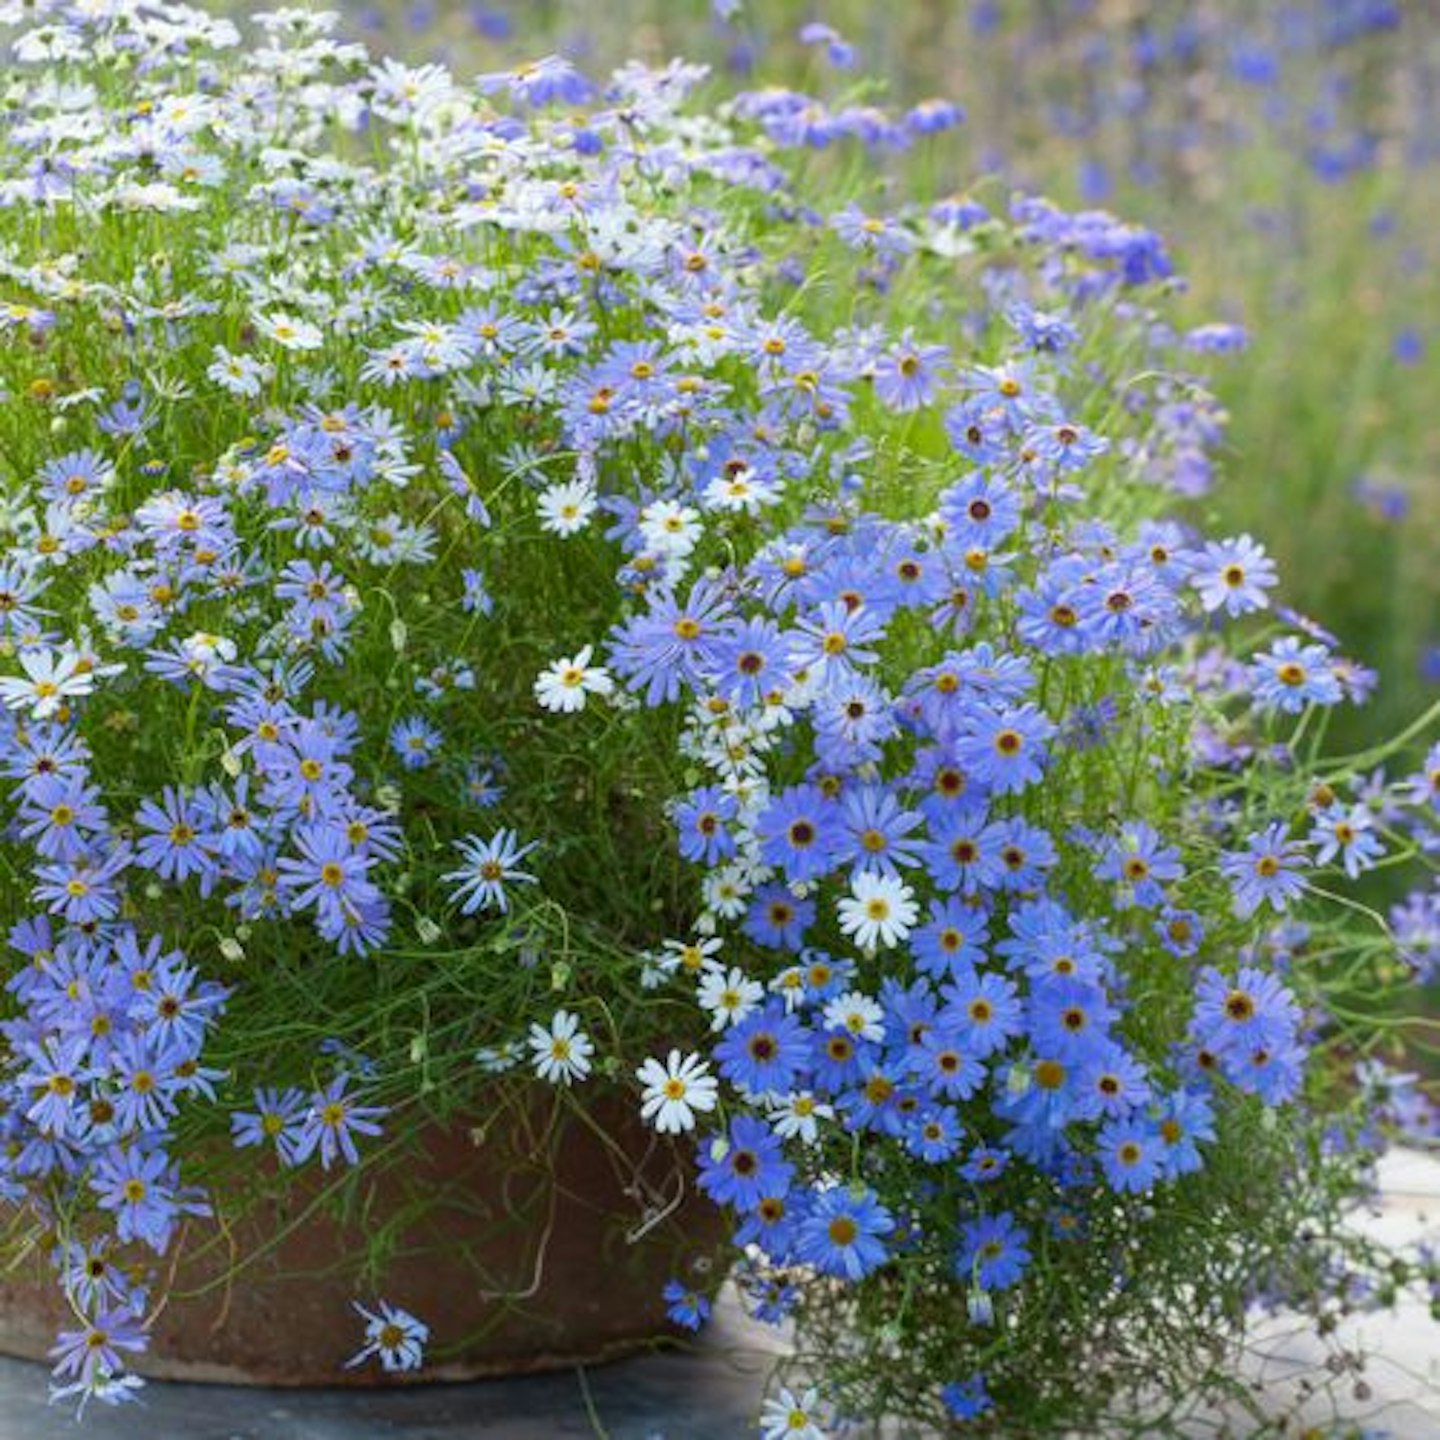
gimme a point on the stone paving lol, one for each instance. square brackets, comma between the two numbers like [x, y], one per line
[710, 1391]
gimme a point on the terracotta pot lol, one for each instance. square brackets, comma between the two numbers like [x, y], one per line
[538, 1242]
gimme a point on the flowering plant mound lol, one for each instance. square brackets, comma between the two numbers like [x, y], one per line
[510, 584]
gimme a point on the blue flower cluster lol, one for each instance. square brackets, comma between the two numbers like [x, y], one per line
[954, 940]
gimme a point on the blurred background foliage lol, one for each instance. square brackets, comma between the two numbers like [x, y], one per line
[1288, 152]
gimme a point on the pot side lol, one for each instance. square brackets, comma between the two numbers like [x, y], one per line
[540, 1241]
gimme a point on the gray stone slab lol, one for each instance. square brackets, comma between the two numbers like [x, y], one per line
[709, 1390]
[626, 1407]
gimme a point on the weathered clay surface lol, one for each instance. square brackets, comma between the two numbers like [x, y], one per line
[531, 1240]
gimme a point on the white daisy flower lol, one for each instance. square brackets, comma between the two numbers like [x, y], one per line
[566, 508]
[879, 910]
[729, 996]
[393, 1335]
[674, 1091]
[726, 891]
[788, 1416]
[561, 1053]
[206, 653]
[388, 367]
[51, 678]
[670, 528]
[403, 92]
[566, 684]
[290, 331]
[441, 346]
[798, 1117]
[497, 1059]
[858, 1014]
[694, 957]
[789, 985]
[740, 493]
[239, 374]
